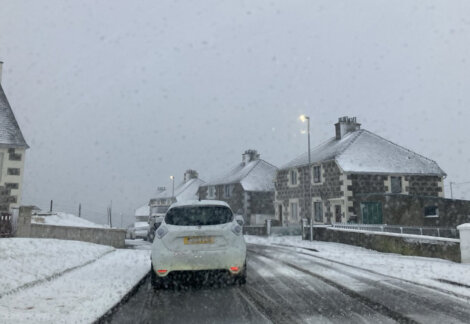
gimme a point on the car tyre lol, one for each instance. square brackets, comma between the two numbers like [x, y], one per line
[240, 279]
[156, 281]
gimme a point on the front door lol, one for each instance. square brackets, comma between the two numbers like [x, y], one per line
[371, 212]
[337, 213]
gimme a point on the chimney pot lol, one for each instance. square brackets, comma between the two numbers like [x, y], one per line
[346, 125]
[250, 155]
[190, 174]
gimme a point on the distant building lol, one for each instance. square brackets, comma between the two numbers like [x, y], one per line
[142, 213]
[348, 167]
[186, 190]
[12, 155]
[248, 188]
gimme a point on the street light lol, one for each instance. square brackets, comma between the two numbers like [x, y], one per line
[173, 186]
[304, 118]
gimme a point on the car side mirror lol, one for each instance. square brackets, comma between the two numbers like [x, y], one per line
[239, 219]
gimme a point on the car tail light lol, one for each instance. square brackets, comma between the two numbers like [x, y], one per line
[162, 271]
[161, 232]
[237, 229]
[234, 269]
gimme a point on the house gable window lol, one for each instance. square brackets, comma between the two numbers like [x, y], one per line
[316, 174]
[318, 211]
[228, 191]
[211, 192]
[13, 171]
[395, 183]
[293, 178]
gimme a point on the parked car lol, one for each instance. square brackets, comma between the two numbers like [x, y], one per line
[157, 213]
[198, 235]
[139, 230]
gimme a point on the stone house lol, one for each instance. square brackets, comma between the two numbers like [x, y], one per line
[248, 188]
[186, 190]
[12, 155]
[352, 163]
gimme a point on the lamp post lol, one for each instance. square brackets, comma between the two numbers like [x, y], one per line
[172, 187]
[304, 118]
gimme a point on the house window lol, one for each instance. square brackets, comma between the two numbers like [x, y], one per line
[14, 157]
[317, 174]
[293, 177]
[395, 183]
[13, 171]
[318, 211]
[294, 210]
[211, 192]
[11, 185]
[431, 211]
[228, 191]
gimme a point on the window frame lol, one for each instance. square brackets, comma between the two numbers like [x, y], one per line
[290, 174]
[319, 178]
[392, 186]
[211, 192]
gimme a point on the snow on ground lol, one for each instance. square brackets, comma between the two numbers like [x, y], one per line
[26, 260]
[79, 296]
[412, 268]
[64, 219]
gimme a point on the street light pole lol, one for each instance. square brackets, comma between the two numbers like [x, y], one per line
[307, 118]
[173, 186]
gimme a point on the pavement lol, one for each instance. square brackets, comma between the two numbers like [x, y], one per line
[287, 286]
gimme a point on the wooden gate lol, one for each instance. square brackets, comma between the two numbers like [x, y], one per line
[371, 212]
[6, 229]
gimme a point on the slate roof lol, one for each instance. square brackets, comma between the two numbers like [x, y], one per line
[10, 133]
[184, 191]
[257, 175]
[362, 151]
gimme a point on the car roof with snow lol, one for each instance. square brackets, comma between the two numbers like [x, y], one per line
[199, 203]
[362, 151]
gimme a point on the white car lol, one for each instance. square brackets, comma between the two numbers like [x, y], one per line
[198, 235]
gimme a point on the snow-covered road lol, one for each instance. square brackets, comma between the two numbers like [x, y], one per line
[290, 285]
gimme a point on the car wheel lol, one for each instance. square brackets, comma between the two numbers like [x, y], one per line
[156, 281]
[240, 279]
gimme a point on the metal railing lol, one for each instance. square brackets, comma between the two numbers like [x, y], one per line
[447, 232]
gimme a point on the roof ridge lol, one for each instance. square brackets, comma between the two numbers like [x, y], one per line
[246, 175]
[359, 133]
[402, 147]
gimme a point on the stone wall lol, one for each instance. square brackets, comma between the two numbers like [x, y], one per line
[408, 210]
[262, 202]
[424, 185]
[329, 188]
[392, 244]
[105, 236]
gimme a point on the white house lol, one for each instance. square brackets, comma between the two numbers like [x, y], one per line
[12, 155]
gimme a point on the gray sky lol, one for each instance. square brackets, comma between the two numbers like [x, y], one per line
[115, 96]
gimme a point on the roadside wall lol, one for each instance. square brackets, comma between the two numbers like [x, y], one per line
[105, 236]
[391, 244]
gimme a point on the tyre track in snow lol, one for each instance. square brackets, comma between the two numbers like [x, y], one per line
[397, 299]
[437, 289]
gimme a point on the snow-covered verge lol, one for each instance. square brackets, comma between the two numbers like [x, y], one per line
[64, 219]
[426, 271]
[79, 296]
[25, 260]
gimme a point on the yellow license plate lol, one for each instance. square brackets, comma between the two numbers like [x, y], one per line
[198, 240]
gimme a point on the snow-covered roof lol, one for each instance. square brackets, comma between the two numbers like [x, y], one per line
[10, 133]
[184, 191]
[143, 210]
[200, 203]
[257, 175]
[362, 151]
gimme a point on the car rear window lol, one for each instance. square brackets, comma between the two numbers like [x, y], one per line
[198, 215]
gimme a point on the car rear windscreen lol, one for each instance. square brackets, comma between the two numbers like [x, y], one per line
[198, 215]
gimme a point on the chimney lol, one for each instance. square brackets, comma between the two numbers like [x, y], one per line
[250, 155]
[190, 174]
[1, 67]
[346, 125]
